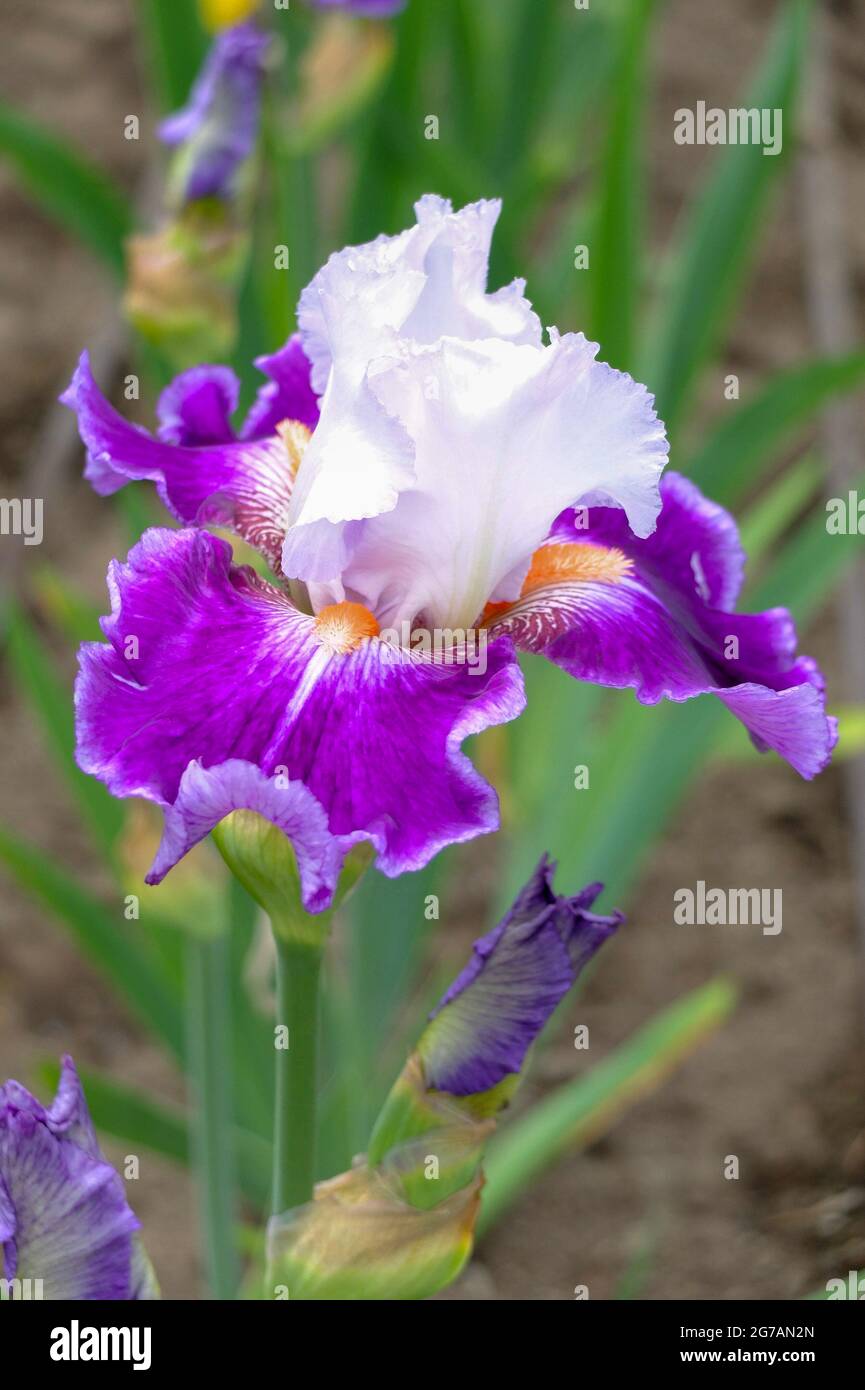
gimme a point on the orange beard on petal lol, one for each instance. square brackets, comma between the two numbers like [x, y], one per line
[295, 438]
[341, 627]
[572, 563]
[575, 564]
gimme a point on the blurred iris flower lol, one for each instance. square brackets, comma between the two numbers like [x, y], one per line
[183, 278]
[65, 1223]
[216, 132]
[435, 489]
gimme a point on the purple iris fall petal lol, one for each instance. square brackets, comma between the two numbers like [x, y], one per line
[519, 972]
[654, 614]
[287, 395]
[223, 667]
[64, 1218]
[206, 795]
[218, 127]
[201, 470]
[197, 407]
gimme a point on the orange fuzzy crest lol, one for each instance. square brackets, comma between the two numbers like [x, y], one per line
[295, 437]
[580, 563]
[341, 627]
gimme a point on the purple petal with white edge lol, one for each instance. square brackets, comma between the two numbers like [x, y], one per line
[505, 436]
[219, 125]
[288, 395]
[64, 1218]
[245, 486]
[427, 282]
[222, 667]
[206, 795]
[648, 614]
[519, 972]
[197, 407]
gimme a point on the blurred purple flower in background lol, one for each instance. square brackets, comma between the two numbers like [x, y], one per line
[217, 130]
[65, 1223]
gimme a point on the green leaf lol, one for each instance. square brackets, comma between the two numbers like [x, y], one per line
[731, 458]
[638, 1272]
[785, 501]
[252, 1031]
[579, 1112]
[807, 569]
[51, 701]
[105, 938]
[708, 260]
[176, 44]
[532, 49]
[616, 275]
[466, 50]
[71, 189]
[69, 612]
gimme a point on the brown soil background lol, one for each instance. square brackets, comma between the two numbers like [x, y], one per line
[781, 1086]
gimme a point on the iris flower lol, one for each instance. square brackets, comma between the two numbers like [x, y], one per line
[217, 130]
[421, 465]
[65, 1223]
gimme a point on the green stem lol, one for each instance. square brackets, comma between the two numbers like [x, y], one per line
[211, 1117]
[298, 970]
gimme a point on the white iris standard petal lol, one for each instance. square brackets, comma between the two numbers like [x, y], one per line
[450, 436]
[506, 436]
[366, 302]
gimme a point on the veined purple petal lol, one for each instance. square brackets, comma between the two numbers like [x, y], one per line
[243, 485]
[64, 1218]
[208, 664]
[197, 407]
[206, 796]
[651, 614]
[219, 125]
[288, 395]
[519, 972]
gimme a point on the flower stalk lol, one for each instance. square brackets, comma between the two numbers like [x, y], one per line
[262, 860]
[298, 979]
